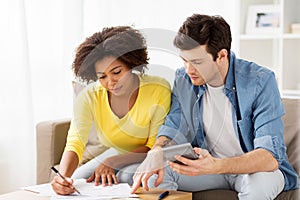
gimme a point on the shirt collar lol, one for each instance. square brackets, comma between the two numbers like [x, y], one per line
[230, 79]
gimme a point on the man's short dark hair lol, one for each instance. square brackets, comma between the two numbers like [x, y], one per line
[198, 29]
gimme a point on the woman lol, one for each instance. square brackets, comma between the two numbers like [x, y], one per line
[126, 106]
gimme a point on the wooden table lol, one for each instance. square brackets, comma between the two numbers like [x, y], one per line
[154, 193]
[144, 195]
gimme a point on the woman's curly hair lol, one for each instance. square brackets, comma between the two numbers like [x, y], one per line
[122, 42]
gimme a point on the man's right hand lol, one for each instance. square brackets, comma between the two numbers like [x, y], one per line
[153, 164]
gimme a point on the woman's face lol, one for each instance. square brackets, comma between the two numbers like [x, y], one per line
[114, 75]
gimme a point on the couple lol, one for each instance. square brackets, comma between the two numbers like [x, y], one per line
[229, 109]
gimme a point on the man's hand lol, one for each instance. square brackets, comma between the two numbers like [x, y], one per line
[206, 164]
[153, 164]
[105, 174]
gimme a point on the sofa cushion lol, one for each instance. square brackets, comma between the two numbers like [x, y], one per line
[232, 195]
[215, 195]
[93, 147]
[291, 121]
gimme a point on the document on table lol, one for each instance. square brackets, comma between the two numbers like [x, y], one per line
[88, 191]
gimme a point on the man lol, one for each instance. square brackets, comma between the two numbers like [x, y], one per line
[230, 110]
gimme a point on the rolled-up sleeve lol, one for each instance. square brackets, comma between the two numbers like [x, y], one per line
[267, 117]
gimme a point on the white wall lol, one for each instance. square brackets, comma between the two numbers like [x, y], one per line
[38, 44]
[160, 21]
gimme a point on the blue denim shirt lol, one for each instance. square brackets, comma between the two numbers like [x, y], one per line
[253, 93]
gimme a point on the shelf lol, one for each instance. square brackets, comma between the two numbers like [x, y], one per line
[270, 37]
[291, 36]
[279, 51]
[291, 94]
[259, 37]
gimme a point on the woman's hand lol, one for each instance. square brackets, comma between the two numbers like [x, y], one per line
[61, 186]
[105, 174]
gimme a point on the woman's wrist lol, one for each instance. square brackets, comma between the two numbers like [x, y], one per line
[109, 162]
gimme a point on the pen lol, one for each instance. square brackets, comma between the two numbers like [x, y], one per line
[163, 195]
[59, 174]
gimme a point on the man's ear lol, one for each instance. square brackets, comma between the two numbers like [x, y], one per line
[222, 56]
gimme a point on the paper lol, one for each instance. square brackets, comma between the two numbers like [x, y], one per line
[42, 189]
[88, 191]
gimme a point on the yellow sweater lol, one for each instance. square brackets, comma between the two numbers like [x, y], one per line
[137, 128]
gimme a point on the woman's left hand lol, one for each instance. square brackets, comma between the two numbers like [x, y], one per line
[105, 174]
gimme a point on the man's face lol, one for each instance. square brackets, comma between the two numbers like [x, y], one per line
[199, 65]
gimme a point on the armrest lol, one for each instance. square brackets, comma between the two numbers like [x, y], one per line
[50, 143]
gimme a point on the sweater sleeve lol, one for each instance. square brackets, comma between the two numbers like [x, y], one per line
[80, 124]
[159, 110]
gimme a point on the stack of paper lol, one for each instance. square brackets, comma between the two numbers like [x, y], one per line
[88, 191]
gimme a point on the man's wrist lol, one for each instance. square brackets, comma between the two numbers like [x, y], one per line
[221, 165]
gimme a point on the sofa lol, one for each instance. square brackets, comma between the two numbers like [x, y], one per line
[51, 139]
